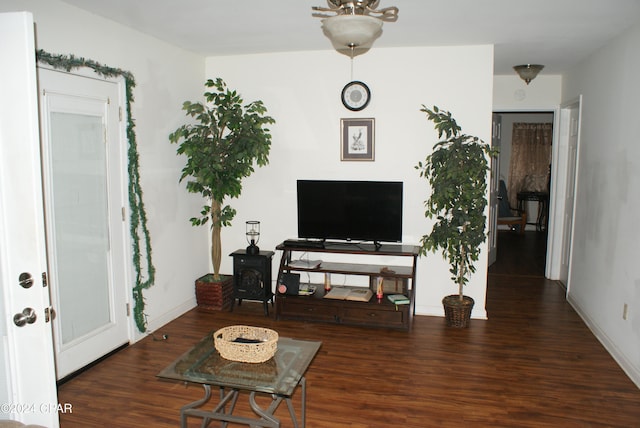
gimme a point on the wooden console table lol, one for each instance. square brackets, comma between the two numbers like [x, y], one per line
[542, 198]
[374, 313]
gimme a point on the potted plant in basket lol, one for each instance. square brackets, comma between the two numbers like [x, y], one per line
[222, 145]
[457, 174]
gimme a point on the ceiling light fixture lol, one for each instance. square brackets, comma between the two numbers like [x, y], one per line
[528, 72]
[355, 25]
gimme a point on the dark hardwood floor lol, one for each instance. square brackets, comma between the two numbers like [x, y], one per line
[520, 255]
[533, 363]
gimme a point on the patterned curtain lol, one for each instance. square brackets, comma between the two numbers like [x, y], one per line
[529, 169]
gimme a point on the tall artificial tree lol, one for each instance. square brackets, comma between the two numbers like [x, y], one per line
[222, 146]
[457, 174]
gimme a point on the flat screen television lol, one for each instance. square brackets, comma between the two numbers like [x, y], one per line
[350, 210]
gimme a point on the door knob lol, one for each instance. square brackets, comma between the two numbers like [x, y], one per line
[27, 316]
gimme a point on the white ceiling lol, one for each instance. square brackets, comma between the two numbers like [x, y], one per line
[556, 33]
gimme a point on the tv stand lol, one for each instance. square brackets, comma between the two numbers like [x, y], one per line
[303, 243]
[374, 313]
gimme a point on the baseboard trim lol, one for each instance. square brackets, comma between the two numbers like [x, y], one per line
[165, 318]
[630, 370]
[438, 311]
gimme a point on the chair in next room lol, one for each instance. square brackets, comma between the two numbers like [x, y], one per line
[507, 215]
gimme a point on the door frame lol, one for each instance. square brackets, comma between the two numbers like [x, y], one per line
[554, 250]
[133, 333]
[556, 235]
[118, 163]
[129, 161]
[496, 141]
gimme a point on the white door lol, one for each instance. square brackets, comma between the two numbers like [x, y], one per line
[493, 189]
[84, 196]
[572, 115]
[27, 374]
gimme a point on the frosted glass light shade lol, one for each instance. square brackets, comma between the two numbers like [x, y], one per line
[347, 31]
[528, 72]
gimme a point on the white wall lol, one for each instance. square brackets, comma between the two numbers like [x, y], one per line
[165, 77]
[605, 273]
[510, 92]
[302, 92]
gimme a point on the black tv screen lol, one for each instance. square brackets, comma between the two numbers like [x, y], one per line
[350, 210]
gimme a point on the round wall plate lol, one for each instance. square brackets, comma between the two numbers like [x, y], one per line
[356, 95]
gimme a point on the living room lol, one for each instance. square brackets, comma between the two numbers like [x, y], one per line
[301, 91]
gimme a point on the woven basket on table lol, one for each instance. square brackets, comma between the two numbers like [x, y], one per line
[227, 344]
[457, 313]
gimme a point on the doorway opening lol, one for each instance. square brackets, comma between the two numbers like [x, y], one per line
[523, 253]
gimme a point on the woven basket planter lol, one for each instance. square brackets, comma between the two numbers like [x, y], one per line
[214, 295]
[457, 312]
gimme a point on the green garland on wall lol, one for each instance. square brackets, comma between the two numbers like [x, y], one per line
[138, 218]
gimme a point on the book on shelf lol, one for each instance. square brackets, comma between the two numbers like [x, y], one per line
[398, 299]
[359, 294]
[307, 290]
[305, 264]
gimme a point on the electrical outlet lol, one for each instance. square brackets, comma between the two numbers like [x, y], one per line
[625, 310]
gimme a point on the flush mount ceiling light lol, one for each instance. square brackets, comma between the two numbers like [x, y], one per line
[355, 25]
[528, 72]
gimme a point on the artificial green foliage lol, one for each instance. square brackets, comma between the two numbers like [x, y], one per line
[457, 174]
[222, 146]
[138, 218]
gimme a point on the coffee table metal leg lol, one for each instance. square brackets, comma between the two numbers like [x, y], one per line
[303, 411]
[232, 396]
[267, 415]
[198, 403]
[267, 418]
[218, 413]
[303, 385]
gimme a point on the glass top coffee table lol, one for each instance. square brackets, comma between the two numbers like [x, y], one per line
[279, 377]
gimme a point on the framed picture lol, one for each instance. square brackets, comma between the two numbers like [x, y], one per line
[357, 139]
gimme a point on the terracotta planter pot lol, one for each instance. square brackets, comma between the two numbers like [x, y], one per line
[457, 312]
[214, 295]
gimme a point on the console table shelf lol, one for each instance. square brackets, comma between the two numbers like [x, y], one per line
[358, 269]
[374, 313]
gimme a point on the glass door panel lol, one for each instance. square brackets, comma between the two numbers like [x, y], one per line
[80, 204]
